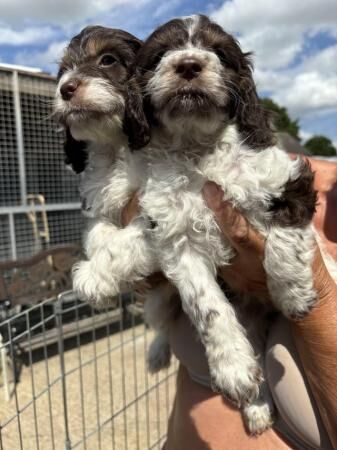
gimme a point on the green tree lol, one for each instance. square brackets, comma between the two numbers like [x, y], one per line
[282, 120]
[320, 145]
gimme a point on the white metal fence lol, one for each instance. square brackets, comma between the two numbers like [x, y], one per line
[76, 378]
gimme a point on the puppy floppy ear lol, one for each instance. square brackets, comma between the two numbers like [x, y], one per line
[135, 125]
[75, 153]
[253, 121]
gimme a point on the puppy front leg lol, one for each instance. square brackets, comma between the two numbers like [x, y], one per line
[234, 369]
[289, 253]
[117, 256]
[258, 415]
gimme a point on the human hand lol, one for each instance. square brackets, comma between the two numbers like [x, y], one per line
[325, 219]
[129, 212]
[246, 272]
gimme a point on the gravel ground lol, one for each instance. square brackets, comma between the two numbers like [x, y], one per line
[112, 401]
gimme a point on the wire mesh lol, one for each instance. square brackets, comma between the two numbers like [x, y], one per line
[78, 379]
[9, 168]
[32, 164]
[45, 169]
[65, 227]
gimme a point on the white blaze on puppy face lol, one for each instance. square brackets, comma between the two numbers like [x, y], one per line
[190, 70]
[166, 80]
[192, 24]
[191, 67]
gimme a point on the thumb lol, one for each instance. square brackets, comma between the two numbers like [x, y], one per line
[230, 221]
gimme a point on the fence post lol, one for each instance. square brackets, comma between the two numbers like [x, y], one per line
[19, 137]
[3, 364]
[60, 343]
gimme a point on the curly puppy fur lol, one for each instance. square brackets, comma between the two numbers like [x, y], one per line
[194, 87]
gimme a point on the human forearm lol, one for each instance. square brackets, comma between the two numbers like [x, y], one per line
[316, 339]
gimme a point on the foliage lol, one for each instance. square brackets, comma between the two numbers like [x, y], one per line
[281, 118]
[320, 145]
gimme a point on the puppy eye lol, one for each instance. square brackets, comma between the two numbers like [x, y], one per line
[158, 57]
[221, 55]
[61, 72]
[107, 60]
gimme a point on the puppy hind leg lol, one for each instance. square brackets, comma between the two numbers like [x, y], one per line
[159, 354]
[160, 309]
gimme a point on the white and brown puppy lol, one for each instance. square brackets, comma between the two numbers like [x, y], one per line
[208, 124]
[90, 103]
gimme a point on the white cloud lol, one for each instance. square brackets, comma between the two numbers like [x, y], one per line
[60, 12]
[277, 33]
[48, 59]
[164, 8]
[45, 21]
[273, 47]
[324, 61]
[305, 135]
[309, 92]
[27, 36]
[275, 30]
[309, 87]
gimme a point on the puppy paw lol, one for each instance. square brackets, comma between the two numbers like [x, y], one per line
[159, 356]
[91, 287]
[239, 384]
[258, 417]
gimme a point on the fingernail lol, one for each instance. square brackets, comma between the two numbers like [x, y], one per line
[213, 196]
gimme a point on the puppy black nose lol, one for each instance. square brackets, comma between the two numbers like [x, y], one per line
[189, 68]
[68, 89]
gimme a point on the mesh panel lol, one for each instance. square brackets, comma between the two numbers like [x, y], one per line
[9, 171]
[45, 170]
[5, 247]
[64, 227]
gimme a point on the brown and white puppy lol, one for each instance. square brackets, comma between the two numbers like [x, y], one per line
[90, 102]
[92, 85]
[194, 85]
[192, 69]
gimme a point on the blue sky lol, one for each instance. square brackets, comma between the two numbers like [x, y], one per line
[295, 43]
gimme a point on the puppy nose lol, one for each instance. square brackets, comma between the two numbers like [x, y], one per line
[68, 89]
[189, 68]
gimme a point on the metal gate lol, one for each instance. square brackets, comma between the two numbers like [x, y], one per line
[77, 378]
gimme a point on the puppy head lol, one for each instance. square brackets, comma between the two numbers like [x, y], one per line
[92, 84]
[191, 70]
